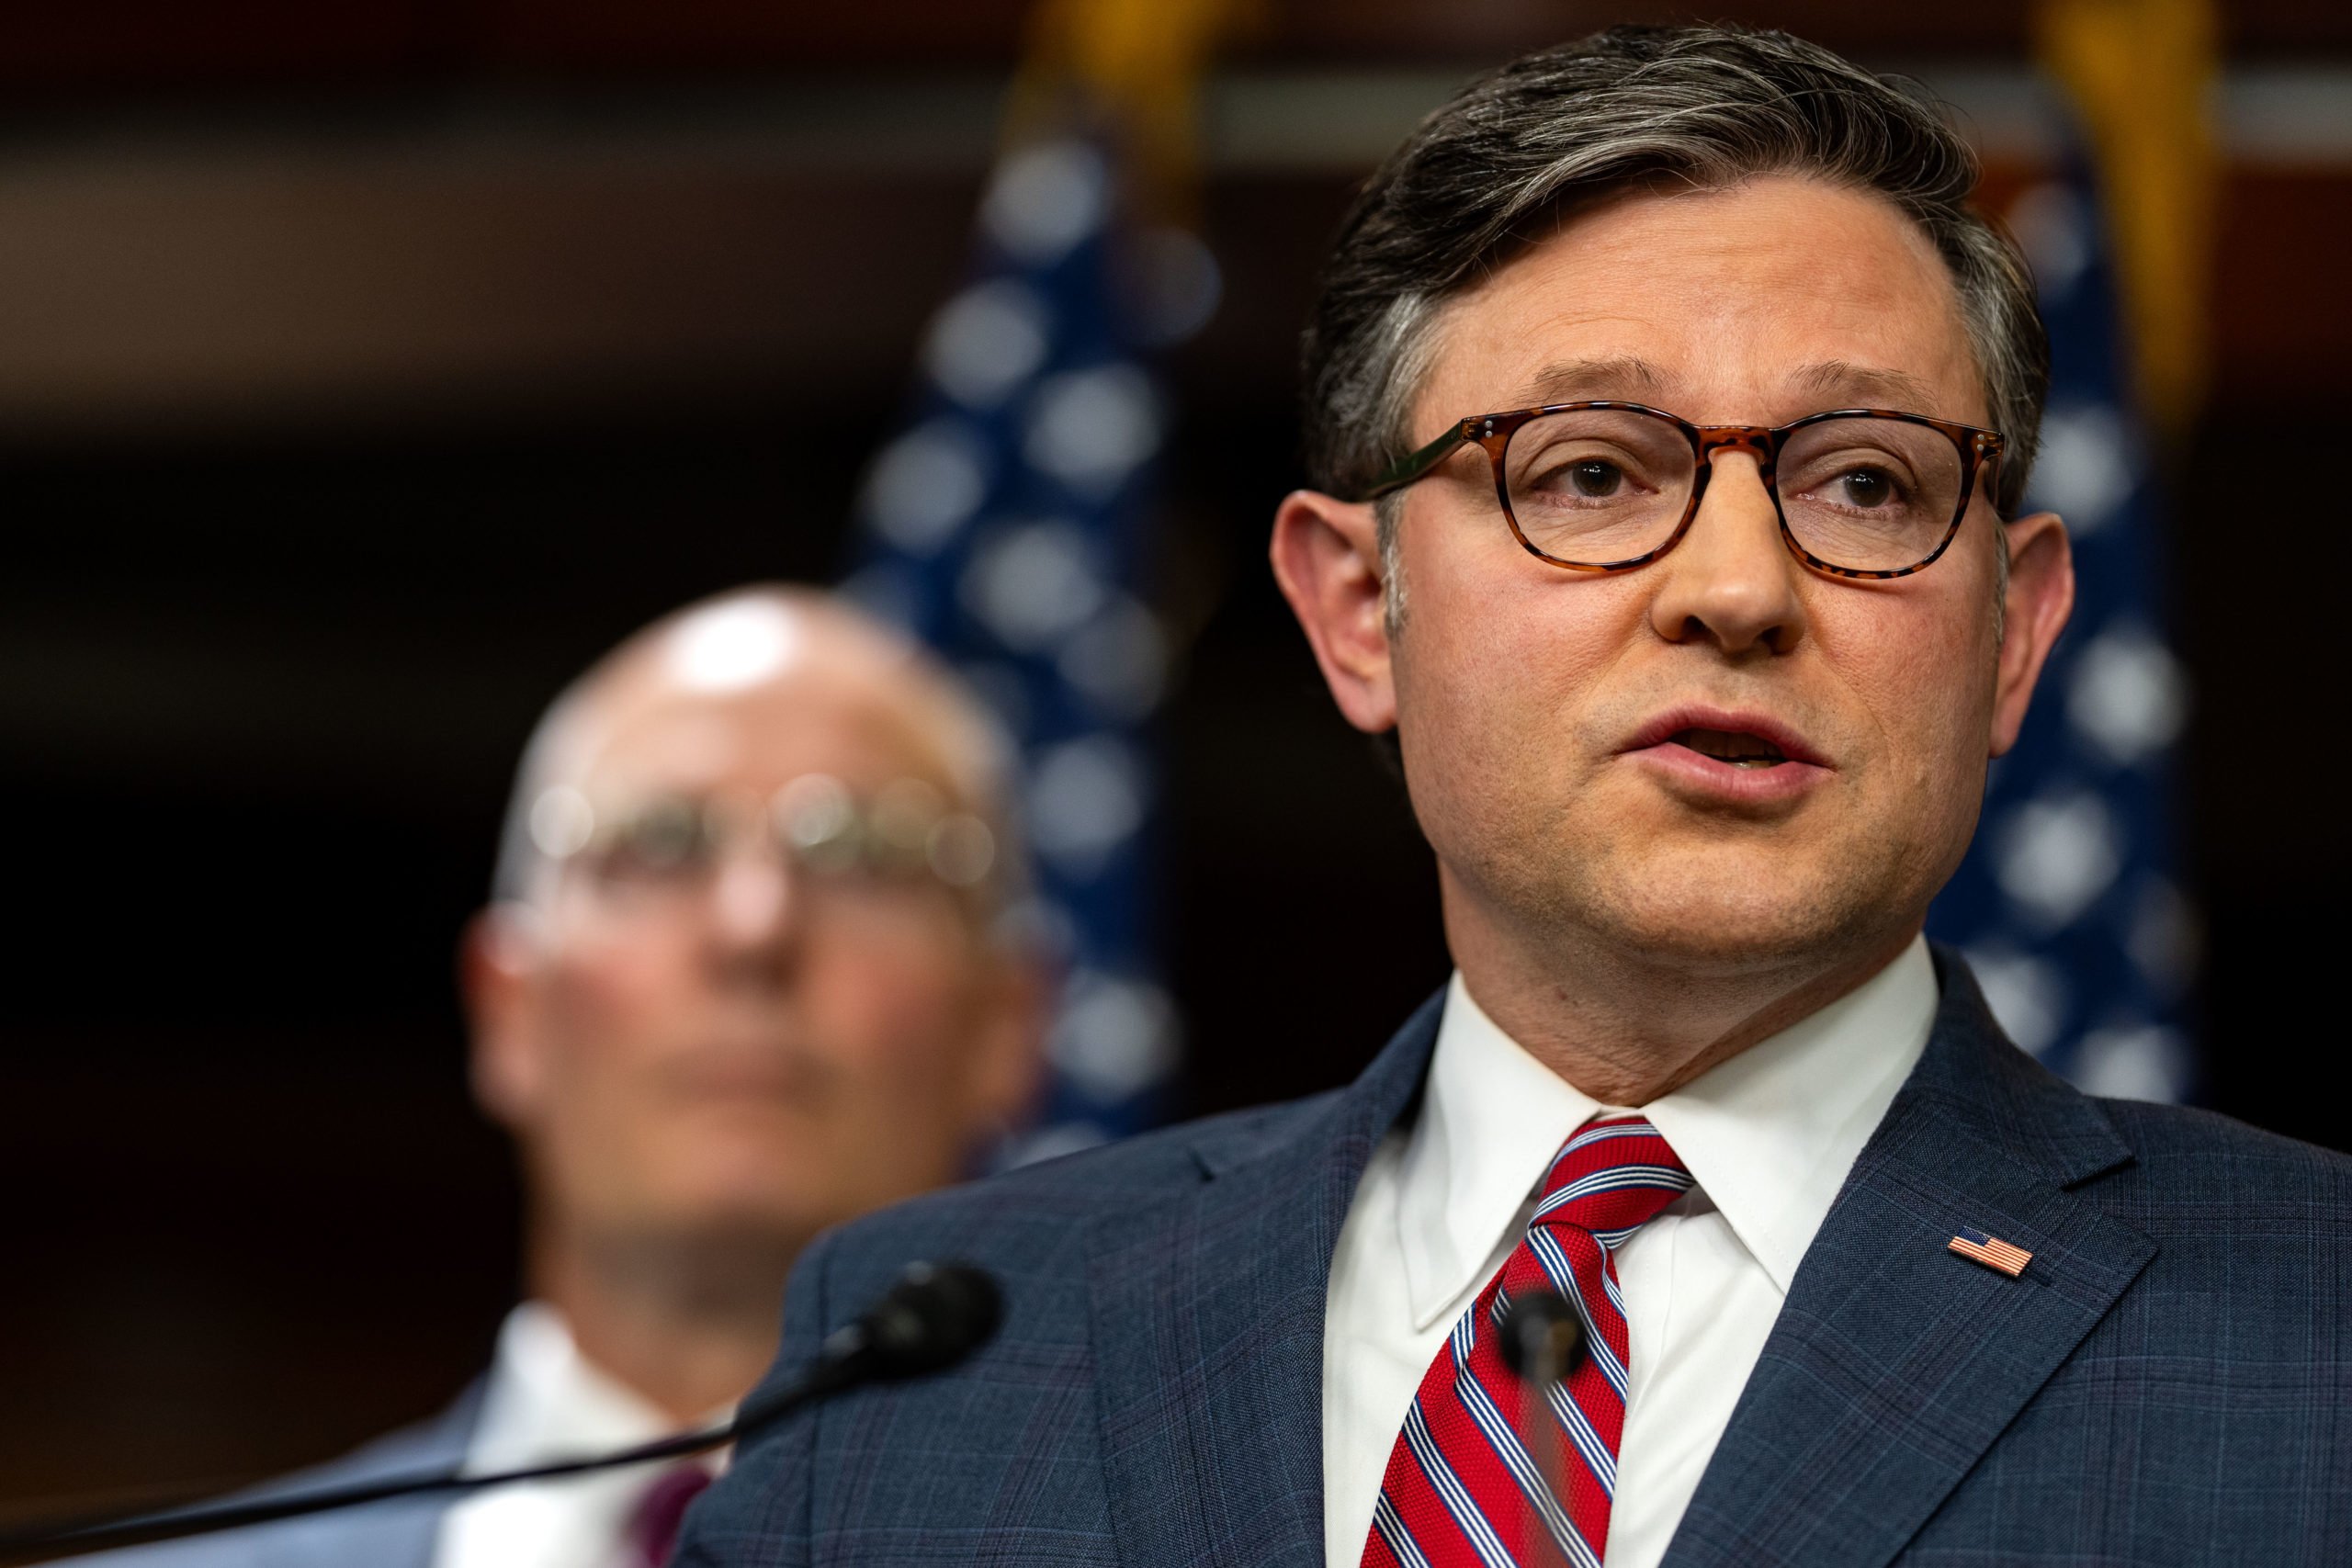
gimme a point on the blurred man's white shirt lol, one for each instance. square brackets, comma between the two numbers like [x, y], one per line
[1769, 1135]
[544, 1401]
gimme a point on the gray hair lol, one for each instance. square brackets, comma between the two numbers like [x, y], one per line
[1704, 107]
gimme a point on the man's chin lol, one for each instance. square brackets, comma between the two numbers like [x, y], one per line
[1727, 912]
[723, 1215]
[741, 1183]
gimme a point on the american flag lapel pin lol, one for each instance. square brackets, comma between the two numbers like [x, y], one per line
[1991, 1251]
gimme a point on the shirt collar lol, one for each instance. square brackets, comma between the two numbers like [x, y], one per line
[1769, 1135]
[545, 1400]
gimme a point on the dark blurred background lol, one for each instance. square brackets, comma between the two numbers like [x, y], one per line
[368, 367]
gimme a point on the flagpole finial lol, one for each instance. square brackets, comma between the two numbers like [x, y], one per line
[1132, 68]
[2141, 75]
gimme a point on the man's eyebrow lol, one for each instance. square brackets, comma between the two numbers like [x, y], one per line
[1574, 381]
[1848, 385]
[1839, 383]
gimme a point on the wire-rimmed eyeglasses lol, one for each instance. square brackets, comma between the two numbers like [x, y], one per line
[1612, 486]
[904, 834]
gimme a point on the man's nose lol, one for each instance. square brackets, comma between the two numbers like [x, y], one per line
[1732, 581]
[754, 907]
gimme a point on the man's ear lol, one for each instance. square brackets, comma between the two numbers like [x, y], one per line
[2041, 597]
[1007, 1062]
[1327, 557]
[497, 976]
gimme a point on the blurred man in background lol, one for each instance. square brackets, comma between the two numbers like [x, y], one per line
[750, 971]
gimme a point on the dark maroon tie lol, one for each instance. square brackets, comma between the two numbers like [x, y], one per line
[653, 1527]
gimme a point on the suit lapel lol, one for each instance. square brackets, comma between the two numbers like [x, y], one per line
[402, 1533]
[1208, 1323]
[1895, 1362]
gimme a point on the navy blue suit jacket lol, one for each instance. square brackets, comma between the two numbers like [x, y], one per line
[2170, 1382]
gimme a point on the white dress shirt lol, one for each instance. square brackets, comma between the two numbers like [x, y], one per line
[544, 1401]
[1769, 1136]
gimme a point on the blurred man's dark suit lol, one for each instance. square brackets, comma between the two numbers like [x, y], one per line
[398, 1534]
[2170, 1381]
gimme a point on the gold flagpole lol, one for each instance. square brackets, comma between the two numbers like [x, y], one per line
[2140, 74]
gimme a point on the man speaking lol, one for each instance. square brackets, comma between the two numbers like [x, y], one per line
[1669, 411]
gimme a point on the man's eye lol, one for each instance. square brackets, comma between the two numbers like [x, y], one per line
[657, 843]
[1583, 478]
[1869, 488]
[1596, 477]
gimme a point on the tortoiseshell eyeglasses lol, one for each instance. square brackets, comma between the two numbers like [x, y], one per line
[1611, 486]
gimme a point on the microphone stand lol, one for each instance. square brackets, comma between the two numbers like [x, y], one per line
[934, 1317]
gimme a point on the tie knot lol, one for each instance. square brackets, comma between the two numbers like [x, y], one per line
[1610, 1178]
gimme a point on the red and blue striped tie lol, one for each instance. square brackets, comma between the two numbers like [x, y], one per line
[1463, 1486]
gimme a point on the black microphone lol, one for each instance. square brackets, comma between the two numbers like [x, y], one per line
[1542, 1337]
[935, 1314]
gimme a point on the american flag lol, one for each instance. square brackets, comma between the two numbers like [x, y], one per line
[1991, 1251]
[1005, 527]
[2069, 906]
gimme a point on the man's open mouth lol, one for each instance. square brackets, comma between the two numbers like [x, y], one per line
[1735, 747]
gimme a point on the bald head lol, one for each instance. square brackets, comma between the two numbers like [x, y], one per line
[715, 1044]
[697, 694]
